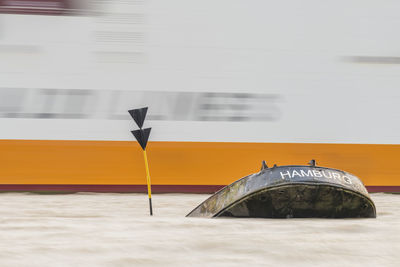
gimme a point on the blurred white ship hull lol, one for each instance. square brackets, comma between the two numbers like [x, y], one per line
[227, 85]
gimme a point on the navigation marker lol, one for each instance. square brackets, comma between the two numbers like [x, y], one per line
[142, 136]
[138, 115]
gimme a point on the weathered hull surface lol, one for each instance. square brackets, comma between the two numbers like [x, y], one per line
[291, 192]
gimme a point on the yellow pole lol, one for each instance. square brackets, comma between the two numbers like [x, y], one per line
[148, 180]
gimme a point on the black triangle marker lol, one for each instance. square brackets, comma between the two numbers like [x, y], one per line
[138, 115]
[142, 136]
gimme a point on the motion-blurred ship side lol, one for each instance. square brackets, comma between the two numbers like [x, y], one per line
[284, 83]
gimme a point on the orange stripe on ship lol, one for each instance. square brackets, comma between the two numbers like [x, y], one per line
[110, 166]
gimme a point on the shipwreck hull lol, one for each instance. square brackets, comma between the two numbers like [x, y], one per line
[291, 192]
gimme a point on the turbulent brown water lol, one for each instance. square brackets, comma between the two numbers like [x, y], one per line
[115, 230]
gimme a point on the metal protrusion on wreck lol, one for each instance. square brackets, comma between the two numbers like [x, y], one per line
[312, 162]
[264, 165]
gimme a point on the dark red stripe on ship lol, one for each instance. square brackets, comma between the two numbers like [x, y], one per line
[109, 188]
[138, 188]
[388, 189]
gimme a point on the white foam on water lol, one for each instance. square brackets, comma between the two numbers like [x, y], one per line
[115, 230]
